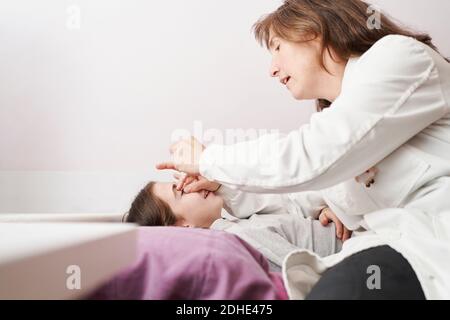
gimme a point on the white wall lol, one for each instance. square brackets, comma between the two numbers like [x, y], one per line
[86, 113]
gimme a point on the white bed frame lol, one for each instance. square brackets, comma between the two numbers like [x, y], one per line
[62, 256]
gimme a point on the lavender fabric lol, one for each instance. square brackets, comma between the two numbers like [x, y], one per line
[185, 263]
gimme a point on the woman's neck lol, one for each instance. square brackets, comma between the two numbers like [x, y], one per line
[331, 83]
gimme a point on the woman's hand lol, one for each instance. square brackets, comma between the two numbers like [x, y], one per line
[194, 184]
[326, 216]
[185, 158]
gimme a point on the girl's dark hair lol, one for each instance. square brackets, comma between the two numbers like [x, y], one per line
[342, 24]
[149, 210]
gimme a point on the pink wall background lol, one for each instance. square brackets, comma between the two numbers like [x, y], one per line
[85, 113]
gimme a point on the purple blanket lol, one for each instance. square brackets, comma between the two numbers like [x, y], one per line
[185, 263]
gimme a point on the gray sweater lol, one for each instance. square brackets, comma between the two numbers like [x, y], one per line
[277, 234]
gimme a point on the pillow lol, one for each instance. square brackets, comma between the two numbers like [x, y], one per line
[190, 263]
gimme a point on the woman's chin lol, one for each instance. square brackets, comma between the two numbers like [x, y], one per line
[297, 95]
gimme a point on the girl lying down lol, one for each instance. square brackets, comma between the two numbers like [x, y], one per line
[274, 224]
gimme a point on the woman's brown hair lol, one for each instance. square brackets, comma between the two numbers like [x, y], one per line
[342, 24]
[149, 210]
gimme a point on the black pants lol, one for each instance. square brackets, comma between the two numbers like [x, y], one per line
[376, 273]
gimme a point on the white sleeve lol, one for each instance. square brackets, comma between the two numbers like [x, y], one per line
[243, 204]
[392, 94]
[309, 203]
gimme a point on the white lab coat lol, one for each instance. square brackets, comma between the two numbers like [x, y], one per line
[392, 113]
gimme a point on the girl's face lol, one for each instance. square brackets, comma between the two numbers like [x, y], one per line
[191, 209]
[297, 65]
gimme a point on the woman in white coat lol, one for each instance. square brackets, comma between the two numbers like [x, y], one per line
[384, 93]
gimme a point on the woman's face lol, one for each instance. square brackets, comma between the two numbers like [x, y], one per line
[191, 209]
[297, 65]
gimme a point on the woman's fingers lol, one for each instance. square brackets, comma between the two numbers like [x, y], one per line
[195, 186]
[347, 234]
[182, 182]
[194, 183]
[188, 181]
[202, 184]
[323, 219]
[337, 223]
[177, 175]
[166, 166]
[339, 228]
[190, 170]
[341, 231]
